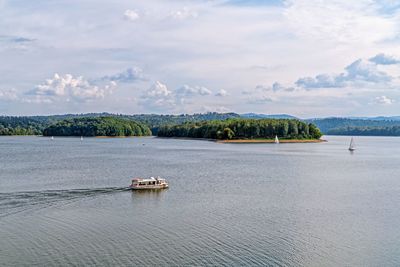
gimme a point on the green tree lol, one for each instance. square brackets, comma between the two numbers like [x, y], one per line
[228, 133]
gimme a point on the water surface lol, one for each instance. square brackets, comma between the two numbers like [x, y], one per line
[65, 202]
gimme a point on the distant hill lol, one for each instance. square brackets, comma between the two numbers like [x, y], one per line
[265, 116]
[367, 131]
[380, 118]
[338, 125]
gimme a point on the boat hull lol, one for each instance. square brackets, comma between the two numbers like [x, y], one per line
[148, 187]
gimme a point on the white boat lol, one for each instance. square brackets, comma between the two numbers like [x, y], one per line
[352, 146]
[276, 139]
[81, 138]
[52, 138]
[149, 183]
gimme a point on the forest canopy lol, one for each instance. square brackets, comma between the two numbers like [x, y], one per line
[243, 129]
[100, 126]
[367, 131]
[34, 125]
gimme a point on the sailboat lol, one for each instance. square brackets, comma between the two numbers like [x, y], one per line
[276, 139]
[52, 138]
[352, 146]
[81, 138]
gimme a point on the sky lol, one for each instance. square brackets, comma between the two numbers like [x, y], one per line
[308, 58]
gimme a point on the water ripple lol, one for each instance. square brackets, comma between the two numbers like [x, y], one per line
[11, 203]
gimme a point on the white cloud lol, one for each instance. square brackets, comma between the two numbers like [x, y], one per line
[37, 99]
[127, 76]
[262, 89]
[341, 21]
[8, 95]
[69, 88]
[259, 89]
[131, 15]
[184, 13]
[162, 98]
[187, 90]
[219, 109]
[384, 100]
[158, 96]
[222, 93]
[279, 87]
[159, 89]
[382, 59]
[259, 100]
[358, 72]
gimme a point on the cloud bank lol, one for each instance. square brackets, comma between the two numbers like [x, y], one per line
[69, 88]
[303, 57]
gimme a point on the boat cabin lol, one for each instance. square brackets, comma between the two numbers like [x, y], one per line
[149, 183]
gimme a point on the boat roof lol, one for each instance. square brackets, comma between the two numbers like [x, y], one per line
[147, 179]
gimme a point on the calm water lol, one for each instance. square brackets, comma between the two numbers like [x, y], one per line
[65, 202]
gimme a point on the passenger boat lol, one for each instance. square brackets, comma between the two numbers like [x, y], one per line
[149, 183]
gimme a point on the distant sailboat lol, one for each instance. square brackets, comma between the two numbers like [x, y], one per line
[352, 146]
[81, 138]
[276, 139]
[52, 138]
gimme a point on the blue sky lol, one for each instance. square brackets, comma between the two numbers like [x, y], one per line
[308, 58]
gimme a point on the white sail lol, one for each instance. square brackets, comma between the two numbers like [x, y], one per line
[81, 138]
[276, 139]
[52, 138]
[352, 146]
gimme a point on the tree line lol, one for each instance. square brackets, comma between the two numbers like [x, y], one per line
[331, 125]
[367, 131]
[100, 126]
[243, 129]
[21, 125]
[34, 125]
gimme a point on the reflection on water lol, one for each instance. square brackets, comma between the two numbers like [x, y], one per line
[148, 193]
[228, 205]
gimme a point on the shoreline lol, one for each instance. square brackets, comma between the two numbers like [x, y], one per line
[99, 136]
[249, 141]
[270, 141]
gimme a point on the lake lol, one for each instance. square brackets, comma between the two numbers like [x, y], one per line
[65, 202]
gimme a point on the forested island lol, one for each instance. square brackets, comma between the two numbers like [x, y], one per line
[100, 126]
[243, 129]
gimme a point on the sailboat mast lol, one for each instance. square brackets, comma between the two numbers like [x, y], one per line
[352, 145]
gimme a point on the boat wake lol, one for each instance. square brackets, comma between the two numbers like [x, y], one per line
[15, 202]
